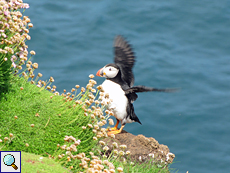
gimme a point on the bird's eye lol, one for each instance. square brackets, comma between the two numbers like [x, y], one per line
[110, 69]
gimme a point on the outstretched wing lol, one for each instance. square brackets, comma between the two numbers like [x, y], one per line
[131, 92]
[124, 58]
[141, 88]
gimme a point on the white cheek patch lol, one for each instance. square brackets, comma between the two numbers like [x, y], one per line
[110, 72]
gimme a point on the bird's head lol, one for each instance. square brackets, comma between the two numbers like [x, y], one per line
[109, 71]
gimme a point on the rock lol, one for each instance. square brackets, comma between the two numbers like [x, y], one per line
[141, 148]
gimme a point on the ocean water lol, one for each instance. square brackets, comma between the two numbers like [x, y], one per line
[178, 44]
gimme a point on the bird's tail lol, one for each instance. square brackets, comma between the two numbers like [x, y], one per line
[140, 88]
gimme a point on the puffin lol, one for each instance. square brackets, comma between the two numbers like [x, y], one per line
[118, 84]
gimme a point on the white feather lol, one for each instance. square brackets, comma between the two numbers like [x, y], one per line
[119, 100]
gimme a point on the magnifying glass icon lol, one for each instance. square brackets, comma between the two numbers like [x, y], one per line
[9, 160]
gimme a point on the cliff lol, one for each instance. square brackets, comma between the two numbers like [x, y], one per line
[142, 148]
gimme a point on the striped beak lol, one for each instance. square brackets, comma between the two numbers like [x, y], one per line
[100, 73]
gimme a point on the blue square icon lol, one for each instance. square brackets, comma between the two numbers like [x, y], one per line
[10, 161]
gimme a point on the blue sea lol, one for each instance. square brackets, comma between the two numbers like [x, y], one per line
[178, 44]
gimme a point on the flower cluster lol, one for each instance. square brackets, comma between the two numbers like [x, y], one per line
[115, 151]
[92, 107]
[98, 165]
[87, 161]
[69, 149]
[14, 29]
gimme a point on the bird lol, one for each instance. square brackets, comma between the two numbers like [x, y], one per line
[118, 84]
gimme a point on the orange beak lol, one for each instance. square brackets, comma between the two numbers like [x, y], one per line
[98, 73]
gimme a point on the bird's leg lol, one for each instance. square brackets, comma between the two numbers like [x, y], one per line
[116, 131]
[115, 127]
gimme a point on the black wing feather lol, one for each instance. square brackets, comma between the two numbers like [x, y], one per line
[140, 88]
[125, 59]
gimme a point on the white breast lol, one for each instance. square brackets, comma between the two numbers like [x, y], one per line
[119, 100]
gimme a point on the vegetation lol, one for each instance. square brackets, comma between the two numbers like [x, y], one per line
[50, 128]
[36, 163]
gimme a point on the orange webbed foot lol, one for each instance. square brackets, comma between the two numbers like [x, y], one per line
[116, 131]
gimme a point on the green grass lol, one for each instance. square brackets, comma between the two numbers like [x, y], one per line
[4, 74]
[56, 119]
[37, 163]
[52, 116]
[147, 167]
